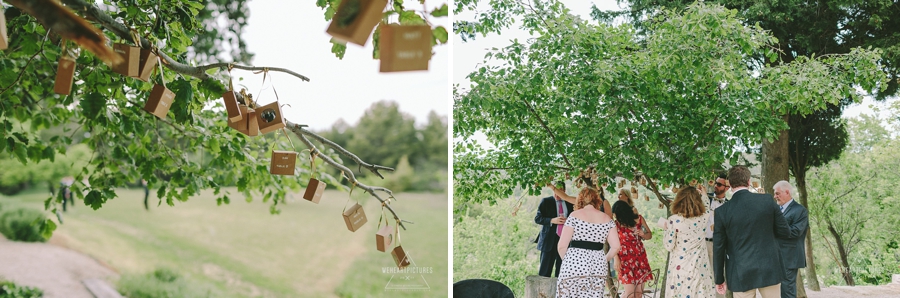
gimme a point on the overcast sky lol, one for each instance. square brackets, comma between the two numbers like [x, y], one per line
[291, 34]
[467, 56]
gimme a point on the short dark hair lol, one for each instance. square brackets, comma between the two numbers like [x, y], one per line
[723, 175]
[739, 176]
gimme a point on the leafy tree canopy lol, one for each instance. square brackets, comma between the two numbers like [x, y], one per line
[673, 103]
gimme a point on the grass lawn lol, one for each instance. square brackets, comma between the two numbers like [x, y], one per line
[306, 251]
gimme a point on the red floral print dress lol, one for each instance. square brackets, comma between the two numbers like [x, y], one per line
[635, 267]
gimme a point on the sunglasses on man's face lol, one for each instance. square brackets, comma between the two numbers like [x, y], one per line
[719, 184]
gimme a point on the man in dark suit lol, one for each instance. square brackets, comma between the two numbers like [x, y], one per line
[744, 241]
[793, 248]
[551, 214]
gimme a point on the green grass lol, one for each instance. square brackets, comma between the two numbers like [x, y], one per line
[245, 251]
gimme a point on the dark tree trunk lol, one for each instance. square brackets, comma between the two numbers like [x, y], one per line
[775, 165]
[810, 261]
[845, 265]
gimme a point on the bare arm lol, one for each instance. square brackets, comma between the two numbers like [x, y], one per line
[607, 209]
[562, 194]
[644, 235]
[564, 240]
[613, 240]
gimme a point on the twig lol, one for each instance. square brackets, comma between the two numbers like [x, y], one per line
[544, 125]
[16, 82]
[371, 167]
[105, 20]
[297, 130]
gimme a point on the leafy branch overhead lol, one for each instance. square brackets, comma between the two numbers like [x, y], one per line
[697, 89]
[192, 150]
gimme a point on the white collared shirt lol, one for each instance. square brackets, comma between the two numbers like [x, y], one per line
[712, 207]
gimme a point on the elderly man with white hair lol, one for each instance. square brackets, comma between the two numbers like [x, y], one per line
[792, 247]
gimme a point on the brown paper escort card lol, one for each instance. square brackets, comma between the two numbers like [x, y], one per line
[400, 257]
[354, 217]
[231, 106]
[65, 74]
[131, 58]
[146, 64]
[160, 101]
[384, 237]
[4, 39]
[269, 118]
[314, 190]
[405, 48]
[283, 162]
[252, 123]
[241, 125]
[354, 20]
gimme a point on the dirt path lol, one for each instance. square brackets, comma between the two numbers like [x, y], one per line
[883, 291]
[56, 270]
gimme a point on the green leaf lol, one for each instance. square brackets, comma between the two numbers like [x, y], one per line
[47, 228]
[338, 48]
[410, 17]
[93, 199]
[20, 152]
[440, 34]
[440, 11]
[91, 105]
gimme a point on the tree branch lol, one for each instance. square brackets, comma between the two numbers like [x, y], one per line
[298, 130]
[544, 125]
[371, 167]
[105, 20]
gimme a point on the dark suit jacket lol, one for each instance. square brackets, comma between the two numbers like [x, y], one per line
[547, 239]
[745, 230]
[793, 247]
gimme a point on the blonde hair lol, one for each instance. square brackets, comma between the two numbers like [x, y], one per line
[623, 191]
[588, 196]
[688, 203]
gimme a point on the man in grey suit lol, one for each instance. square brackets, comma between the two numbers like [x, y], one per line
[744, 241]
[793, 249]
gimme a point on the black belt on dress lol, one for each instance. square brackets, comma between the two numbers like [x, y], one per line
[586, 245]
[709, 239]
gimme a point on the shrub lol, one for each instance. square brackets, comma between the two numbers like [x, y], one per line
[9, 289]
[19, 225]
[163, 282]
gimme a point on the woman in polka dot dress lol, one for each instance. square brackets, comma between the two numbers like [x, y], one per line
[689, 271]
[631, 263]
[584, 267]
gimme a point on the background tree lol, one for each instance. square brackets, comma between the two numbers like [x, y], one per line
[854, 204]
[188, 152]
[656, 104]
[803, 29]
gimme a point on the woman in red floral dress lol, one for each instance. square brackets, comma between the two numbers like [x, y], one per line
[631, 261]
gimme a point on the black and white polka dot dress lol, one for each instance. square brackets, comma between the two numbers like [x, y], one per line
[583, 271]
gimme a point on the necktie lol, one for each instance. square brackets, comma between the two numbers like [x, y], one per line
[782, 208]
[560, 211]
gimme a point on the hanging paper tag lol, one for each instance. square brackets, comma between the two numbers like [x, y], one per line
[354, 217]
[283, 162]
[235, 113]
[384, 237]
[4, 39]
[145, 66]
[355, 19]
[269, 118]
[314, 190]
[160, 101]
[65, 74]
[252, 123]
[400, 257]
[131, 58]
[404, 48]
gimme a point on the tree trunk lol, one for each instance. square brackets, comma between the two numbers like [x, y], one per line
[801, 290]
[537, 286]
[775, 165]
[662, 293]
[810, 261]
[845, 265]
